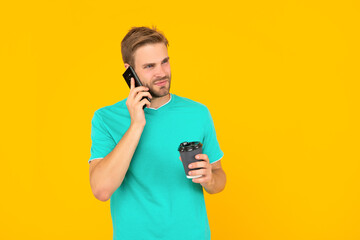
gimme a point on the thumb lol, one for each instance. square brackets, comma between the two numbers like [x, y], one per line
[132, 83]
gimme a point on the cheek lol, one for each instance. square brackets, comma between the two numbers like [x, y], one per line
[167, 69]
[144, 77]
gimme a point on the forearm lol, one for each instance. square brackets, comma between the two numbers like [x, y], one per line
[109, 173]
[218, 182]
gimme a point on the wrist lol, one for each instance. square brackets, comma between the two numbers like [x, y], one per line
[211, 184]
[137, 125]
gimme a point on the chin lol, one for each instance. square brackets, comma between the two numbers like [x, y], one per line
[159, 94]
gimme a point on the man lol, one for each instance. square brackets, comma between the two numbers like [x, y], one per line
[134, 154]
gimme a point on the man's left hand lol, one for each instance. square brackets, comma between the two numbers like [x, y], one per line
[206, 179]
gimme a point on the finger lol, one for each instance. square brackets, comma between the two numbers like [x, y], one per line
[140, 89]
[180, 158]
[200, 180]
[197, 172]
[202, 156]
[201, 164]
[140, 95]
[134, 91]
[144, 102]
[132, 83]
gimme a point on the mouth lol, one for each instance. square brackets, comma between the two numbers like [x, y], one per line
[161, 83]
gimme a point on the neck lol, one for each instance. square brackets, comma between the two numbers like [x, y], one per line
[158, 102]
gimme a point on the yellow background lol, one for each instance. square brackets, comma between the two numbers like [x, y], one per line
[279, 77]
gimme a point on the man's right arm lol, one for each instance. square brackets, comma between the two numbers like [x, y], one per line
[107, 174]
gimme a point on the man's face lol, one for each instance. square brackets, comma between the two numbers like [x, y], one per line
[153, 68]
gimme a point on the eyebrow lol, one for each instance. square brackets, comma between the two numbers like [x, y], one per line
[165, 59]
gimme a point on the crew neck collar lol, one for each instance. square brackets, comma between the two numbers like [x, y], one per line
[162, 106]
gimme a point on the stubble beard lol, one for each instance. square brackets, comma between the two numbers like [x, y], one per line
[163, 90]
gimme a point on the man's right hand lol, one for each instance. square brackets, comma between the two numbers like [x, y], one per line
[135, 104]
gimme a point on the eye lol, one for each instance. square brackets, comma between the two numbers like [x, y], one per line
[166, 61]
[148, 66]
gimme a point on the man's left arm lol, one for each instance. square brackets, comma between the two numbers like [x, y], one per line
[213, 177]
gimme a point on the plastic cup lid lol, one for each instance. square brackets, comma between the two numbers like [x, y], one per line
[189, 146]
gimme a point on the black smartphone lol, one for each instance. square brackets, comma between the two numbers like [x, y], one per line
[130, 73]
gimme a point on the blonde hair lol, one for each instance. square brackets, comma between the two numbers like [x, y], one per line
[137, 37]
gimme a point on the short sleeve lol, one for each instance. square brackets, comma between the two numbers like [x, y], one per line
[102, 142]
[211, 145]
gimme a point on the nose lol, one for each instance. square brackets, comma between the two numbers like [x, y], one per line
[160, 72]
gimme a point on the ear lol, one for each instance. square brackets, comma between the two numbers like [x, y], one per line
[126, 65]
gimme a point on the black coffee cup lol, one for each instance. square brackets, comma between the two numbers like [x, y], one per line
[188, 151]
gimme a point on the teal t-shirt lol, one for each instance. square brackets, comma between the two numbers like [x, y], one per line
[155, 199]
